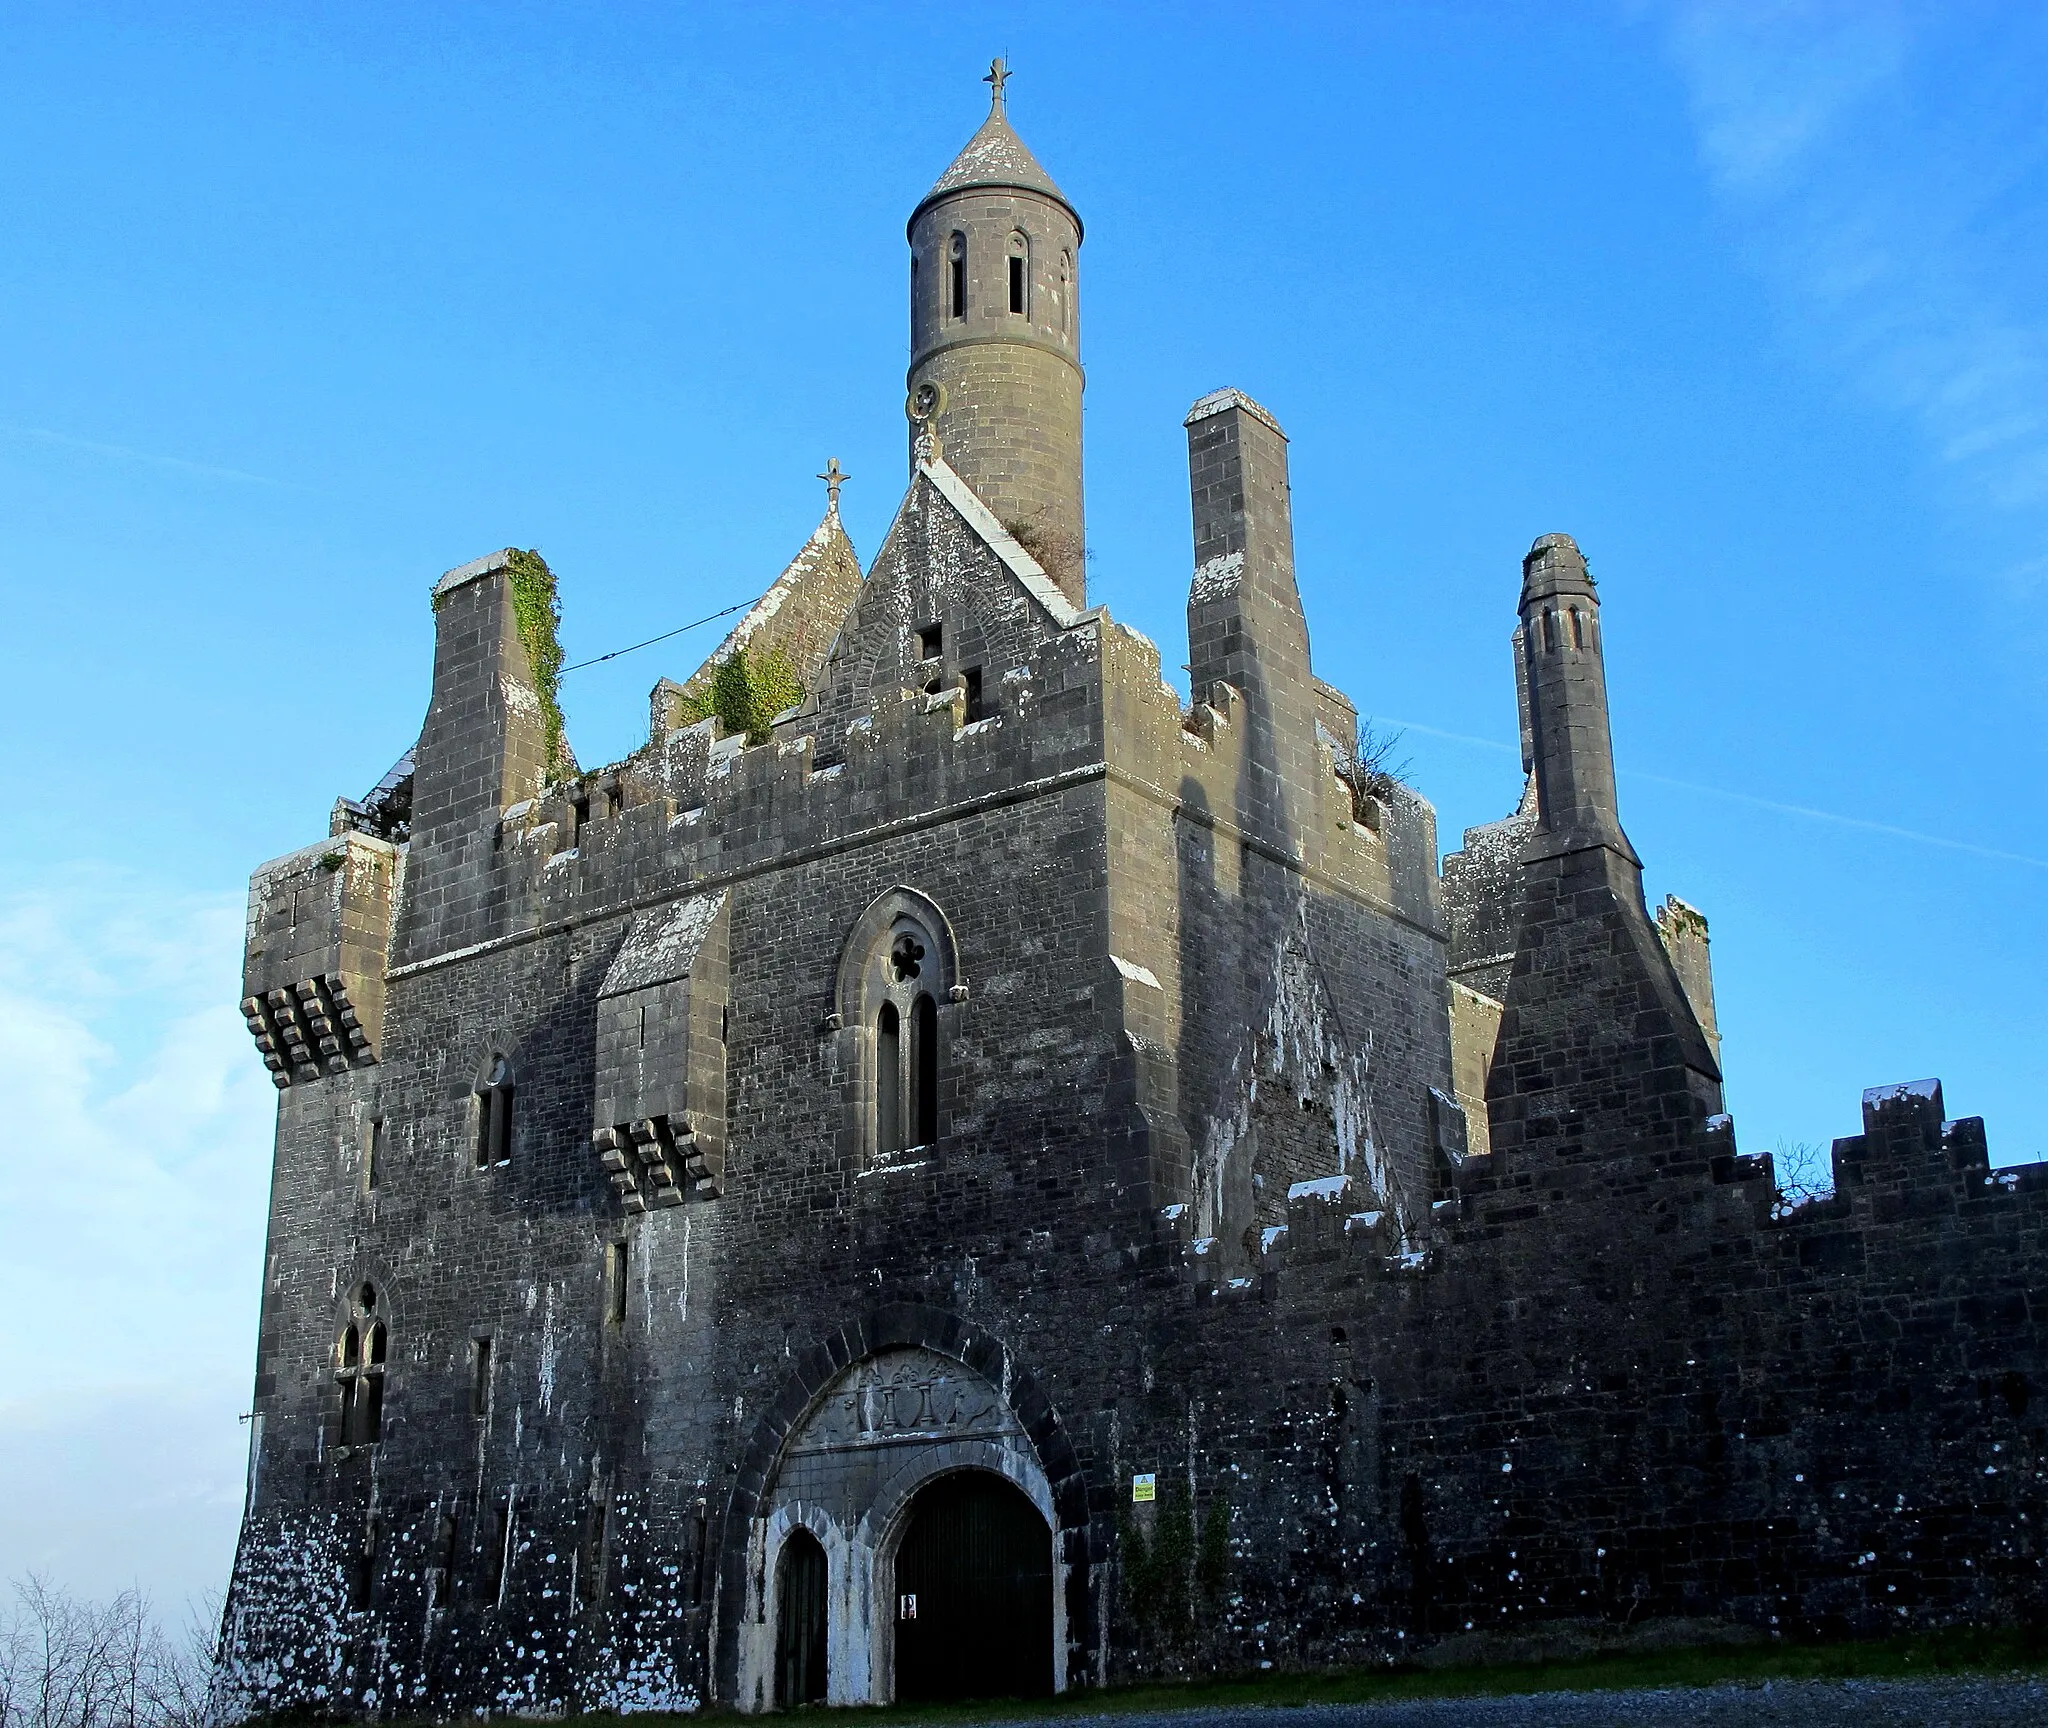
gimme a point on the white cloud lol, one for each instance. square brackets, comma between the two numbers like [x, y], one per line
[1876, 191]
[132, 1199]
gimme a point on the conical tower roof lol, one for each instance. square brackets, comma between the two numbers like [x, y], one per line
[995, 156]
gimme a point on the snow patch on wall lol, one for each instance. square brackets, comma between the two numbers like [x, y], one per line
[1217, 578]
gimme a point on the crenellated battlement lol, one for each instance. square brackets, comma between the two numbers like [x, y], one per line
[1910, 1166]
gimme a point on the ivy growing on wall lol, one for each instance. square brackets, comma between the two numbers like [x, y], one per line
[1172, 1580]
[746, 694]
[537, 614]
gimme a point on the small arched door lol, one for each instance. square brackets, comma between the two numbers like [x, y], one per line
[974, 1593]
[800, 1622]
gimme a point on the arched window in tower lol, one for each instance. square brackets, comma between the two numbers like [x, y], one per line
[888, 1079]
[897, 994]
[913, 297]
[1020, 274]
[956, 255]
[494, 1113]
[1066, 293]
[1578, 629]
[924, 1067]
[359, 1370]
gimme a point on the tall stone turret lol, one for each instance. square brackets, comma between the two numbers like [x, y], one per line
[1562, 680]
[1245, 624]
[1600, 1056]
[995, 325]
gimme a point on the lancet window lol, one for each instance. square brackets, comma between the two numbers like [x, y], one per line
[494, 1113]
[1020, 274]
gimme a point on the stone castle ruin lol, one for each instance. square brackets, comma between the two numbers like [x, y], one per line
[990, 1180]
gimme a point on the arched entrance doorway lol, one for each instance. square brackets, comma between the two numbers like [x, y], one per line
[852, 1470]
[974, 1593]
[800, 1622]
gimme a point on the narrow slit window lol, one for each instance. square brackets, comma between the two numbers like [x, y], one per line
[888, 1080]
[1016, 284]
[1066, 294]
[1578, 630]
[615, 1283]
[957, 258]
[373, 1147]
[970, 682]
[924, 1061]
[1550, 632]
[444, 1574]
[501, 1544]
[592, 1591]
[480, 1379]
[363, 1575]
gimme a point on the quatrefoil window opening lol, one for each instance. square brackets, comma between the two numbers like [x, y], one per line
[904, 955]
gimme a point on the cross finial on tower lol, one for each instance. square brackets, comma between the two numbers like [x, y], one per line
[995, 78]
[834, 478]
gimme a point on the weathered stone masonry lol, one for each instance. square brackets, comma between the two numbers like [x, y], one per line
[1008, 1074]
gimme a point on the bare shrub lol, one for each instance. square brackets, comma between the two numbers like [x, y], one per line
[1805, 1173]
[66, 1662]
[1373, 772]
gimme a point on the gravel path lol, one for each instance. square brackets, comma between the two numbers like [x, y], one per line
[1946, 1703]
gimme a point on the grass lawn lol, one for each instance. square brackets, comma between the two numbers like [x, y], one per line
[1953, 1652]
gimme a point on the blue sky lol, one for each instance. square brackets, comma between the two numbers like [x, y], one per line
[300, 307]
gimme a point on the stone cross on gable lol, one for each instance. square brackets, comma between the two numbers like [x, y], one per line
[834, 478]
[996, 77]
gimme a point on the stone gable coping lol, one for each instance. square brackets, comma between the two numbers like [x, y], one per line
[1005, 546]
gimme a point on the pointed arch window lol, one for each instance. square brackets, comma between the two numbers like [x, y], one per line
[1066, 293]
[1020, 274]
[898, 989]
[494, 1113]
[359, 1370]
[956, 258]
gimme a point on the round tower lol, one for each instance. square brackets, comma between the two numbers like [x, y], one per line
[995, 324]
